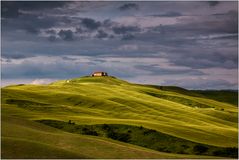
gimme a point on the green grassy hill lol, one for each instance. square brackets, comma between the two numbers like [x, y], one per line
[26, 139]
[180, 115]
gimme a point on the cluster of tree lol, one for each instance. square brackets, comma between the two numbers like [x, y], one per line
[110, 133]
[88, 131]
[124, 137]
[230, 151]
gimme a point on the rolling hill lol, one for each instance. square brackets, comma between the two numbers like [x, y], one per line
[66, 119]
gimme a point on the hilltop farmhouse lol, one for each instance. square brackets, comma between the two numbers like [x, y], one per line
[99, 74]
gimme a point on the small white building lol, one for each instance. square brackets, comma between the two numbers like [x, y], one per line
[99, 74]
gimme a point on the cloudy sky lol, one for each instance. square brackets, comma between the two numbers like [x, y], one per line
[188, 44]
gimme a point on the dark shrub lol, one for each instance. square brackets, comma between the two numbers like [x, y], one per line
[149, 131]
[105, 127]
[69, 122]
[145, 132]
[124, 137]
[199, 149]
[111, 134]
[227, 152]
[185, 146]
[168, 151]
[181, 152]
[89, 132]
[161, 148]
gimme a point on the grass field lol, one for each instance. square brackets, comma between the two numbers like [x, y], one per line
[171, 111]
[144, 137]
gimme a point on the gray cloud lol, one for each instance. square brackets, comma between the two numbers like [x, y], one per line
[205, 63]
[108, 23]
[66, 35]
[157, 70]
[213, 3]
[199, 82]
[125, 29]
[129, 6]
[32, 30]
[32, 23]
[12, 9]
[128, 37]
[68, 58]
[60, 68]
[101, 34]
[100, 60]
[6, 60]
[168, 14]
[52, 38]
[51, 31]
[90, 24]
[191, 35]
[210, 24]
[15, 56]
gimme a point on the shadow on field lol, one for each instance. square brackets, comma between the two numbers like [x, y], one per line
[144, 137]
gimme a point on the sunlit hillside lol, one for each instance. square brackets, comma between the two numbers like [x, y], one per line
[49, 121]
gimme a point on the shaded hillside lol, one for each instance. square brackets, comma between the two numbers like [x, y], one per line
[227, 96]
[144, 137]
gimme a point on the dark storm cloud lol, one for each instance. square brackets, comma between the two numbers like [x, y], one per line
[193, 50]
[214, 41]
[66, 35]
[52, 38]
[31, 16]
[125, 29]
[79, 30]
[31, 23]
[12, 9]
[9, 9]
[30, 70]
[213, 3]
[220, 21]
[199, 82]
[14, 56]
[127, 37]
[229, 23]
[129, 6]
[32, 29]
[202, 56]
[205, 63]
[50, 31]
[157, 70]
[168, 14]
[188, 31]
[189, 37]
[101, 34]
[63, 68]
[226, 23]
[90, 24]
[107, 23]
[68, 58]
